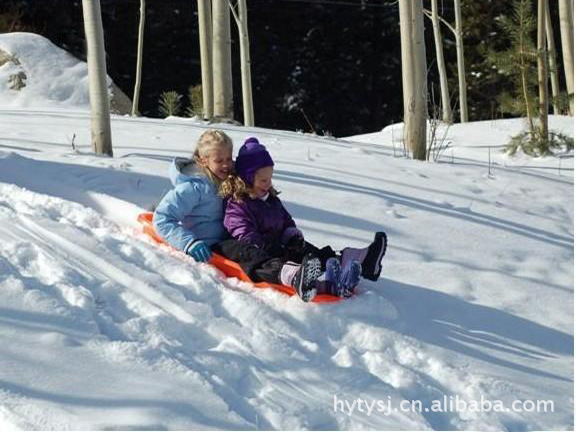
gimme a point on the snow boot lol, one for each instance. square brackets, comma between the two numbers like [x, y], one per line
[287, 272]
[369, 257]
[350, 278]
[304, 277]
[332, 277]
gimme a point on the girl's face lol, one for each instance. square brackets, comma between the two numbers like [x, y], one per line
[262, 181]
[219, 162]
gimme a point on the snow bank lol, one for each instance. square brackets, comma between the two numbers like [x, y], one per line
[52, 77]
[101, 329]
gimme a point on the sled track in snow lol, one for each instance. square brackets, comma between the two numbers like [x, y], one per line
[105, 269]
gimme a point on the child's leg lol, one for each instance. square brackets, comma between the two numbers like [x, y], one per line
[329, 282]
[303, 277]
[268, 271]
[309, 249]
[248, 256]
[370, 257]
[339, 281]
[350, 278]
[262, 267]
[258, 264]
[326, 279]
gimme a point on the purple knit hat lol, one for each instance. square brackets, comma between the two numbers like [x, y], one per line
[251, 157]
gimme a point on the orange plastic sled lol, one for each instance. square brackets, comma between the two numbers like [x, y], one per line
[228, 267]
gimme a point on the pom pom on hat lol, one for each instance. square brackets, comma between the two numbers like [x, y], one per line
[251, 157]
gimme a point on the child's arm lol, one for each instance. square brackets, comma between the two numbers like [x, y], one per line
[174, 207]
[290, 229]
[241, 224]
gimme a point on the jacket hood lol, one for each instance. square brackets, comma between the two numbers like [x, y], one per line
[185, 170]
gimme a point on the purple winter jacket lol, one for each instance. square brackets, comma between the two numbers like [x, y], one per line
[263, 223]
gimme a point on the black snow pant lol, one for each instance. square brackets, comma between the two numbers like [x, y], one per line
[265, 265]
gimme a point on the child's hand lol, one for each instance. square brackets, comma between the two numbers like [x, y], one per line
[296, 244]
[200, 251]
[275, 249]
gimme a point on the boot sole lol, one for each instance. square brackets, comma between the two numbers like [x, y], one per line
[373, 260]
[334, 275]
[351, 278]
[310, 272]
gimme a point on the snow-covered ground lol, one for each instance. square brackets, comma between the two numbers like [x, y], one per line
[101, 329]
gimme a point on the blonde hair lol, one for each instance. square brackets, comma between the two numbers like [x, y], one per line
[210, 140]
[235, 188]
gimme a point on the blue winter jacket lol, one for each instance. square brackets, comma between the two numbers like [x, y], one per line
[192, 210]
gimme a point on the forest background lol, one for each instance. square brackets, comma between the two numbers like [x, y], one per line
[331, 67]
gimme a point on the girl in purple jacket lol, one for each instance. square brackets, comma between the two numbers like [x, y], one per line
[268, 245]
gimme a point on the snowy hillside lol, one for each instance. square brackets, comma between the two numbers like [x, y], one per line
[101, 329]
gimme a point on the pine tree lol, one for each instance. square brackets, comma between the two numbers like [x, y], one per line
[196, 100]
[170, 103]
[518, 62]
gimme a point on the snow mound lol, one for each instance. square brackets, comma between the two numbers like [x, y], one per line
[52, 77]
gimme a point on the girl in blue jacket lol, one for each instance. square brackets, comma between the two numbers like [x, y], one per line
[189, 217]
[269, 246]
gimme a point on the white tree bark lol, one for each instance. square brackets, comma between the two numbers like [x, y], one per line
[445, 93]
[97, 77]
[567, 35]
[138, 82]
[524, 66]
[414, 81]
[542, 69]
[460, 61]
[205, 35]
[405, 11]
[553, 66]
[245, 67]
[222, 60]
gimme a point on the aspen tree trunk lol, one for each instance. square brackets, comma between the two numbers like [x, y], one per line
[414, 82]
[138, 82]
[405, 11]
[419, 148]
[460, 61]
[524, 78]
[222, 60]
[542, 70]
[552, 61]
[567, 35]
[446, 107]
[97, 77]
[205, 35]
[242, 22]
[246, 66]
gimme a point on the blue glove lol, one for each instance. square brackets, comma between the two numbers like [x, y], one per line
[200, 251]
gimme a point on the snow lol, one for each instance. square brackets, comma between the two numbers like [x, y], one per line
[101, 329]
[54, 78]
